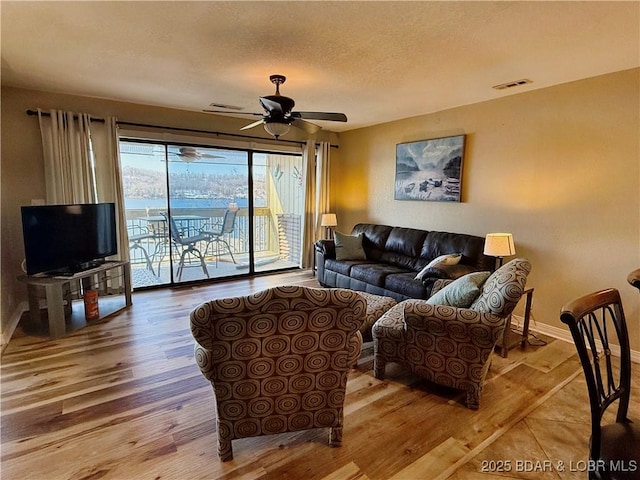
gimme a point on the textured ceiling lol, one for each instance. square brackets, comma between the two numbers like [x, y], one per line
[374, 61]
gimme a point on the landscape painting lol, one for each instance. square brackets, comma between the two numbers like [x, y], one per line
[430, 170]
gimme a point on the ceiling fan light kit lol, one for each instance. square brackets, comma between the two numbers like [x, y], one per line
[279, 115]
[276, 128]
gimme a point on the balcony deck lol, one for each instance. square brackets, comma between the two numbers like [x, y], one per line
[272, 249]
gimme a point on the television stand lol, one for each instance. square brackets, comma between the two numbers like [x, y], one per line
[64, 296]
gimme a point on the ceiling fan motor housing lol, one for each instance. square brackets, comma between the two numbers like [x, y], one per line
[283, 105]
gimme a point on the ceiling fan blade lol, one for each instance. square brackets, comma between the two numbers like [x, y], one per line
[304, 125]
[254, 124]
[334, 117]
[232, 113]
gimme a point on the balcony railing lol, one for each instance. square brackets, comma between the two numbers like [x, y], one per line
[264, 223]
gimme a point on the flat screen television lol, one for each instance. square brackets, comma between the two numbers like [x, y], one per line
[66, 239]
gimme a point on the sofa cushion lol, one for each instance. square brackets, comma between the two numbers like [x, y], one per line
[341, 266]
[461, 292]
[375, 237]
[373, 273]
[471, 248]
[403, 247]
[349, 247]
[406, 284]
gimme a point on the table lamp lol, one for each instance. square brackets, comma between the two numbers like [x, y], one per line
[329, 220]
[499, 245]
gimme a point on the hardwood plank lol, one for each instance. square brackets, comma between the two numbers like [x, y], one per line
[438, 459]
[348, 472]
[125, 399]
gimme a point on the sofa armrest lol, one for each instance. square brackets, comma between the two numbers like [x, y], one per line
[327, 248]
[323, 250]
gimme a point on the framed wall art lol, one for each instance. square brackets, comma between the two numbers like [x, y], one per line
[430, 170]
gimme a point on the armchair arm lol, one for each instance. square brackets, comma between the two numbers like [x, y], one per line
[451, 346]
[460, 325]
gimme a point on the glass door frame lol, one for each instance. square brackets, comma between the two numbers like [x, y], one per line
[251, 210]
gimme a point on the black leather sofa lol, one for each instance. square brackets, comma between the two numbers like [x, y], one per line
[394, 255]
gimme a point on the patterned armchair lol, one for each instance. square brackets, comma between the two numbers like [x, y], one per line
[278, 360]
[447, 345]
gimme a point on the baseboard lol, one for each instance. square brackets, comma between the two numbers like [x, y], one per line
[565, 335]
[13, 323]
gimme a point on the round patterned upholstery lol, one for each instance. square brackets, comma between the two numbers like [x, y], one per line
[377, 305]
[447, 345]
[278, 359]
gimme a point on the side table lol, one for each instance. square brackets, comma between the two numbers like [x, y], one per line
[507, 342]
[59, 293]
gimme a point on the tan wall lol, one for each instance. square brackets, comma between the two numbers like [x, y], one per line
[22, 174]
[558, 167]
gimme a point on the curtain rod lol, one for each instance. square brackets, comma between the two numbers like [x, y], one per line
[191, 130]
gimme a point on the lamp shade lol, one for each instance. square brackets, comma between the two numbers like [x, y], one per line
[329, 220]
[276, 128]
[499, 245]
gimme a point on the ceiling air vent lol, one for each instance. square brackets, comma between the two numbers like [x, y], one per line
[515, 83]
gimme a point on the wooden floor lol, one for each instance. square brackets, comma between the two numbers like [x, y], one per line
[124, 399]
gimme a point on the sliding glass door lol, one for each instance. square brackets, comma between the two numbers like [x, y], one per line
[199, 212]
[278, 198]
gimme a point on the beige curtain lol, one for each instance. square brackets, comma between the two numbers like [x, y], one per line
[106, 150]
[82, 165]
[323, 187]
[317, 200]
[310, 221]
[68, 166]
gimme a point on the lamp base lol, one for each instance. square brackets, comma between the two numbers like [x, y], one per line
[497, 263]
[328, 233]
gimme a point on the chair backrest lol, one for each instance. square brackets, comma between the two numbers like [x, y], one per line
[634, 278]
[229, 221]
[597, 323]
[173, 228]
[278, 359]
[503, 289]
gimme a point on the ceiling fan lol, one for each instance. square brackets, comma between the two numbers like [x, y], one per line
[279, 114]
[191, 154]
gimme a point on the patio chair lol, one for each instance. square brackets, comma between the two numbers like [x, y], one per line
[187, 245]
[216, 235]
[140, 239]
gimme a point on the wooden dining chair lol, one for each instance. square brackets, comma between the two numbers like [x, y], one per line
[598, 328]
[634, 278]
